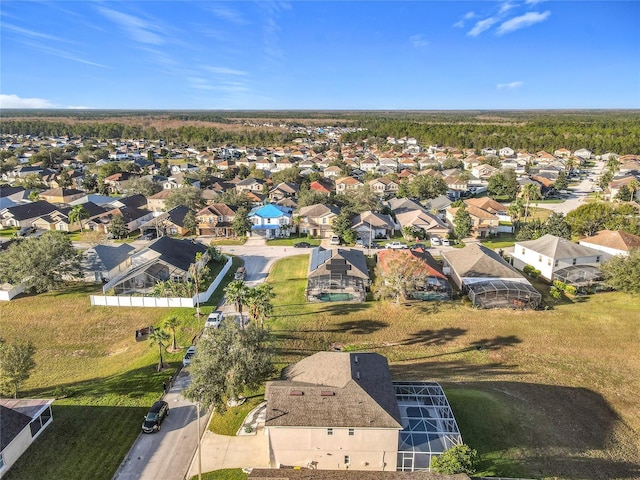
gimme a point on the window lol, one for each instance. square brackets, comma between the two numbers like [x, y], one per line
[1, 461]
[556, 263]
[539, 258]
[352, 432]
[598, 259]
[329, 431]
[347, 460]
[549, 262]
[575, 261]
[523, 251]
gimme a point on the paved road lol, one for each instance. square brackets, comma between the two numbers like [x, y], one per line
[166, 454]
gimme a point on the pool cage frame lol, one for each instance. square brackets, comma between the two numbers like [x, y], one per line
[503, 294]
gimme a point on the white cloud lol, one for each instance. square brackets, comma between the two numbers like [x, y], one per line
[14, 101]
[533, 2]
[523, 21]
[30, 33]
[419, 41]
[137, 28]
[78, 107]
[506, 6]
[511, 85]
[467, 16]
[481, 26]
[225, 71]
[229, 15]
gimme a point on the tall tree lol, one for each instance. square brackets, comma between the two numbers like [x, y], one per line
[197, 271]
[557, 225]
[40, 263]
[462, 223]
[529, 192]
[188, 196]
[16, 363]
[398, 277]
[172, 323]
[424, 187]
[258, 301]
[623, 273]
[77, 214]
[230, 361]
[118, 228]
[241, 223]
[64, 180]
[189, 222]
[159, 337]
[561, 182]
[235, 292]
[504, 184]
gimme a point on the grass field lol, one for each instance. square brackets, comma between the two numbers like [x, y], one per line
[104, 380]
[538, 393]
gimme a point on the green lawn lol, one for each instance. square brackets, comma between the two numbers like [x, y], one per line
[224, 474]
[550, 393]
[231, 420]
[501, 241]
[104, 380]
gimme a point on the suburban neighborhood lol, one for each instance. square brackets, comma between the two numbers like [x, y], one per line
[381, 287]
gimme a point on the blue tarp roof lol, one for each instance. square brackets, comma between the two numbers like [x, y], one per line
[267, 211]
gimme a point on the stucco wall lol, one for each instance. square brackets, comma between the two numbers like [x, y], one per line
[368, 449]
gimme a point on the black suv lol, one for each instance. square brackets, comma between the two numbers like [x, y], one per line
[155, 417]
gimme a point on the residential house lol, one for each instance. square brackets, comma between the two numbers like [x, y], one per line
[270, 221]
[321, 186]
[164, 259]
[216, 220]
[631, 181]
[495, 208]
[583, 153]
[428, 282]
[430, 224]
[483, 171]
[559, 259]
[372, 225]
[383, 186]
[400, 205]
[250, 184]
[332, 172]
[317, 220]
[21, 422]
[11, 196]
[283, 190]
[337, 274]
[59, 219]
[562, 153]
[506, 152]
[438, 206]
[104, 262]
[157, 201]
[348, 184]
[483, 222]
[334, 411]
[612, 242]
[23, 215]
[61, 195]
[171, 222]
[488, 279]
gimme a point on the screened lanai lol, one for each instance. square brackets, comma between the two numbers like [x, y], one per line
[429, 425]
[579, 275]
[502, 293]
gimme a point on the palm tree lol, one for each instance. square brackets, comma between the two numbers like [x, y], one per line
[529, 192]
[264, 307]
[159, 337]
[77, 214]
[171, 323]
[236, 292]
[196, 272]
[633, 187]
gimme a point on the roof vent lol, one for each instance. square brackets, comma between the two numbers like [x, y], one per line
[326, 393]
[356, 359]
[357, 375]
[296, 393]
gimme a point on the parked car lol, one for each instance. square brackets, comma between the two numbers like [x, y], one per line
[435, 242]
[445, 242]
[191, 351]
[396, 245]
[150, 235]
[335, 240]
[359, 242]
[302, 245]
[153, 420]
[26, 231]
[214, 319]
[241, 273]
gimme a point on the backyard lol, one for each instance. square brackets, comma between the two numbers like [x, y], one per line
[538, 393]
[104, 381]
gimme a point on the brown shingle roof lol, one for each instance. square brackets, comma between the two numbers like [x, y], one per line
[617, 239]
[334, 389]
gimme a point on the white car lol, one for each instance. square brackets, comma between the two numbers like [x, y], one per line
[396, 245]
[335, 240]
[191, 351]
[445, 242]
[435, 242]
[214, 319]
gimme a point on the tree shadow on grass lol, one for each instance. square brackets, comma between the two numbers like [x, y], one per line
[544, 430]
[359, 327]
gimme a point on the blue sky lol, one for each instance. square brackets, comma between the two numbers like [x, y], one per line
[196, 54]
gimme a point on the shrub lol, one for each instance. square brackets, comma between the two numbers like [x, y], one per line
[532, 272]
[458, 459]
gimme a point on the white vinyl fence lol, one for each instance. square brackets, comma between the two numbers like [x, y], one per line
[161, 302]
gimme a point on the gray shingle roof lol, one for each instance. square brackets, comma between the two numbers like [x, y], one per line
[179, 253]
[558, 248]
[475, 260]
[334, 389]
[106, 257]
[322, 258]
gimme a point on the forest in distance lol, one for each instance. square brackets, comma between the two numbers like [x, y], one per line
[601, 131]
